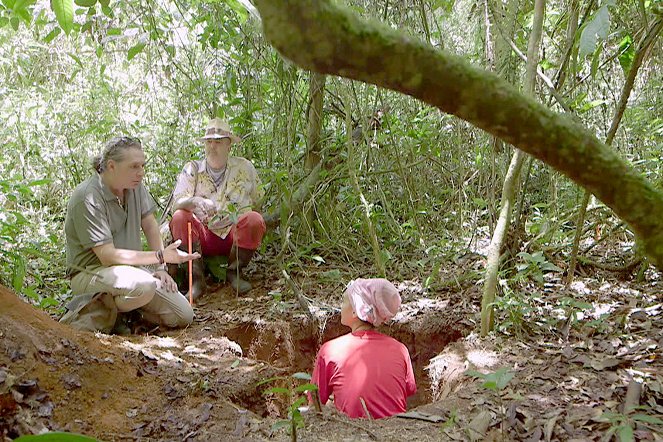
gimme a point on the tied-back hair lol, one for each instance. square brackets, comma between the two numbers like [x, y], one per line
[114, 150]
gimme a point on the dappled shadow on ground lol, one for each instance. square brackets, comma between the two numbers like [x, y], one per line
[567, 369]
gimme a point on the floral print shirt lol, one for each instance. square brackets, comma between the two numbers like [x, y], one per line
[239, 192]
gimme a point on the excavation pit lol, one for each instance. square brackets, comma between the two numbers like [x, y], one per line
[291, 347]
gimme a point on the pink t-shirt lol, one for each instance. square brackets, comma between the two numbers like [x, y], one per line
[369, 365]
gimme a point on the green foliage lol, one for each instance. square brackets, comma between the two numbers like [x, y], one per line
[534, 266]
[515, 310]
[64, 12]
[495, 381]
[573, 308]
[296, 397]
[596, 29]
[626, 53]
[622, 425]
[135, 50]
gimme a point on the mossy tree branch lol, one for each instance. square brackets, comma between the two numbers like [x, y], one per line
[321, 36]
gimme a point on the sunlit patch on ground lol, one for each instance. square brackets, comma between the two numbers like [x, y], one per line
[415, 308]
[448, 368]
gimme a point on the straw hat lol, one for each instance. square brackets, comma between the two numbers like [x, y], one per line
[218, 129]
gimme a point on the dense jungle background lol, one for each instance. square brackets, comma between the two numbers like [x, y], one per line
[532, 311]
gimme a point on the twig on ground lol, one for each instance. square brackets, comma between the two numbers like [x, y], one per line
[372, 435]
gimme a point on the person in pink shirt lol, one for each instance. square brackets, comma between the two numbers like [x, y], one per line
[368, 373]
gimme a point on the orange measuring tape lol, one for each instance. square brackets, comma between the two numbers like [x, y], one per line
[190, 267]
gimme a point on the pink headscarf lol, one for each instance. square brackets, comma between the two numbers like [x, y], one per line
[374, 300]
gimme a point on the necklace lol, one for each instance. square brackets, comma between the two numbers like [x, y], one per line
[119, 202]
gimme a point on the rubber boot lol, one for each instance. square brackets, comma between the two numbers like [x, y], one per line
[199, 283]
[238, 259]
[121, 326]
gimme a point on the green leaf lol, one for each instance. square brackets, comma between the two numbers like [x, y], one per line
[306, 387]
[55, 437]
[4, 21]
[19, 272]
[279, 390]
[446, 5]
[24, 15]
[76, 59]
[114, 31]
[64, 12]
[51, 35]
[625, 433]
[596, 58]
[591, 105]
[40, 182]
[646, 418]
[240, 10]
[280, 424]
[550, 267]
[302, 376]
[15, 22]
[493, 381]
[596, 29]
[104, 3]
[135, 51]
[86, 3]
[626, 53]
[299, 402]
[22, 4]
[265, 381]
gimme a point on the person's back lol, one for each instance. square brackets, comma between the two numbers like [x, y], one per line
[365, 365]
[369, 374]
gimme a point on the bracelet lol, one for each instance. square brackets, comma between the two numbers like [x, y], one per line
[160, 258]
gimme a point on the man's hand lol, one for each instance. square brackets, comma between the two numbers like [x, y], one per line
[167, 283]
[204, 208]
[173, 255]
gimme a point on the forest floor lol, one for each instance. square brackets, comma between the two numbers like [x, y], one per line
[564, 366]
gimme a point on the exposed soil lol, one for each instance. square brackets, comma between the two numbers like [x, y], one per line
[207, 382]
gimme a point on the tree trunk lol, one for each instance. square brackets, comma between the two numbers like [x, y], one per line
[330, 39]
[316, 99]
[646, 43]
[312, 157]
[510, 182]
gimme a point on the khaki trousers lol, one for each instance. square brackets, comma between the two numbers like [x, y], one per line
[124, 288]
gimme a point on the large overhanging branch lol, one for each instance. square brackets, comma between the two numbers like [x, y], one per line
[323, 37]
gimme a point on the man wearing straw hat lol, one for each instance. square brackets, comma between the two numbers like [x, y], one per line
[218, 195]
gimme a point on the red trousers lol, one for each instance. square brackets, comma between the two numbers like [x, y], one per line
[246, 234]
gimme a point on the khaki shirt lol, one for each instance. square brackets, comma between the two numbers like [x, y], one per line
[95, 217]
[239, 192]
